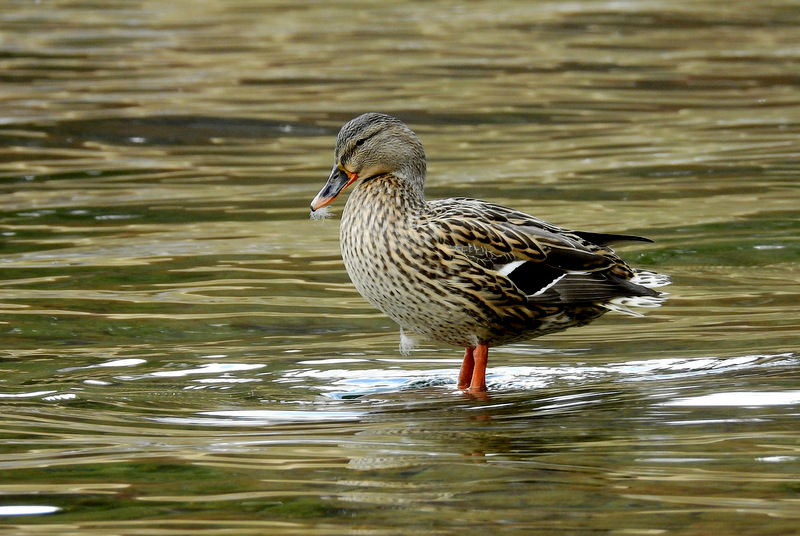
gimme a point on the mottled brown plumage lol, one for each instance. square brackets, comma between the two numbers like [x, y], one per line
[463, 271]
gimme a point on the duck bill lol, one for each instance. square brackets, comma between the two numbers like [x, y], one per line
[339, 180]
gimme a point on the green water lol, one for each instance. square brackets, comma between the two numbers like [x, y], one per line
[182, 352]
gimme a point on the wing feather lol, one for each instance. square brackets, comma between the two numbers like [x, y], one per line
[488, 231]
[544, 261]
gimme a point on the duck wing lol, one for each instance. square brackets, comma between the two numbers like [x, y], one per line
[544, 261]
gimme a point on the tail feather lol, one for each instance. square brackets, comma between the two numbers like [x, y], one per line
[649, 279]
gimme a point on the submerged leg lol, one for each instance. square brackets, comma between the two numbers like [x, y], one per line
[480, 358]
[465, 374]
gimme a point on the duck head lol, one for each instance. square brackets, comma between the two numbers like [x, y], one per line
[369, 146]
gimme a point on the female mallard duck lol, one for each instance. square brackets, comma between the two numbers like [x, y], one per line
[462, 271]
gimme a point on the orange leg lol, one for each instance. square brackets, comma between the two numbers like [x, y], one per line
[472, 375]
[481, 357]
[465, 374]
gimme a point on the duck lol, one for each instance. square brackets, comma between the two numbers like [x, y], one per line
[465, 272]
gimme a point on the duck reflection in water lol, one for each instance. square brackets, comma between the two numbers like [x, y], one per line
[462, 271]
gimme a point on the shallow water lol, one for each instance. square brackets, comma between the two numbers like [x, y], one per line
[182, 352]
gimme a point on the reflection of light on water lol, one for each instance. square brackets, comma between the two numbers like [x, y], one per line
[332, 361]
[210, 368]
[108, 364]
[777, 459]
[221, 375]
[27, 510]
[287, 415]
[707, 422]
[262, 417]
[25, 395]
[347, 383]
[688, 365]
[341, 383]
[60, 398]
[740, 399]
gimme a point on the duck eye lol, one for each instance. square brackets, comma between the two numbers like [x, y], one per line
[360, 142]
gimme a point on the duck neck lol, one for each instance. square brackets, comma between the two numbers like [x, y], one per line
[390, 193]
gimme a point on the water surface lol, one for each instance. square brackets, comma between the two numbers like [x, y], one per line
[182, 352]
